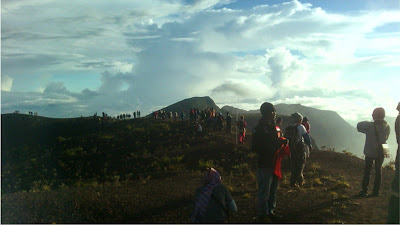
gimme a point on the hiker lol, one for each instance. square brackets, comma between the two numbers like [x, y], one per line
[183, 116]
[393, 215]
[298, 137]
[267, 144]
[241, 129]
[228, 123]
[213, 200]
[220, 122]
[306, 124]
[199, 128]
[377, 132]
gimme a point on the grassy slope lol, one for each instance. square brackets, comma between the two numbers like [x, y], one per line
[164, 194]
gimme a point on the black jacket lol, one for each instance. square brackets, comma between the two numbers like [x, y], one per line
[265, 143]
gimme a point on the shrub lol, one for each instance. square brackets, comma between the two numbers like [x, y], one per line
[348, 153]
[74, 151]
[240, 167]
[390, 165]
[316, 181]
[205, 164]
[315, 167]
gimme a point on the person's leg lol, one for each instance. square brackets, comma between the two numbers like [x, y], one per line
[302, 164]
[367, 174]
[264, 180]
[295, 171]
[378, 176]
[272, 195]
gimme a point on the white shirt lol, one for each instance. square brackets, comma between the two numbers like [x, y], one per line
[301, 130]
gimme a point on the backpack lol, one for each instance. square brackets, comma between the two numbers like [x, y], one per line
[296, 145]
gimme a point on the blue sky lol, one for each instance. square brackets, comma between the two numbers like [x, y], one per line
[73, 58]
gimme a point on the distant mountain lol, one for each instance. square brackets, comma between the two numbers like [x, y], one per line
[327, 127]
[195, 102]
[232, 110]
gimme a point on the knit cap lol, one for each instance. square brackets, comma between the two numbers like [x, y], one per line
[266, 108]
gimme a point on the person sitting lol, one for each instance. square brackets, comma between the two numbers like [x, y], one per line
[213, 200]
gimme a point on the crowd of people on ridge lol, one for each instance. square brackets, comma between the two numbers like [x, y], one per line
[214, 201]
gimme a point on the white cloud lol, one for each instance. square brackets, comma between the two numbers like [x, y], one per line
[159, 52]
[6, 83]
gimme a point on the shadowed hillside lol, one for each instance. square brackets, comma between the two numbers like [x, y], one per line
[146, 171]
[195, 102]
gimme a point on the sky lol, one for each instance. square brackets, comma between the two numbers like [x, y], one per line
[75, 58]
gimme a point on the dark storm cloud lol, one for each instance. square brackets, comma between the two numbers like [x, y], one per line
[235, 88]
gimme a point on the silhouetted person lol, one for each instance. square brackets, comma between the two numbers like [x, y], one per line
[183, 116]
[377, 132]
[228, 123]
[306, 124]
[393, 216]
[220, 122]
[241, 129]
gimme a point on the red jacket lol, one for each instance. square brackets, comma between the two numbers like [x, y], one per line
[278, 156]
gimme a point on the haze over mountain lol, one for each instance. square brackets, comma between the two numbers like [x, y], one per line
[328, 128]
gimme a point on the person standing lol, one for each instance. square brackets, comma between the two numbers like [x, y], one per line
[377, 132]
[393, 215]
[306, 124]
[266, 143]
[298, 139]
[228, 123]
[183, 116]
[241, 129]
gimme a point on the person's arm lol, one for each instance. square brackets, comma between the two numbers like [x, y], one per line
[231, 203]
[397, 129]
[363, 126]
[307, 139]
[387, 132]
[232, 206]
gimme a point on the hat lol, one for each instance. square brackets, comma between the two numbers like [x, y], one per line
[267, 107]
[297, 116]
[378, 113]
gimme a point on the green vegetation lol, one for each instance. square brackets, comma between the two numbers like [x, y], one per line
[146, 171]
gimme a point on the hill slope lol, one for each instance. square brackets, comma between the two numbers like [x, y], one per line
[146, 171]
[195, 102]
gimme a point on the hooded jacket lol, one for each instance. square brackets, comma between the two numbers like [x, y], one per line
[371, 143]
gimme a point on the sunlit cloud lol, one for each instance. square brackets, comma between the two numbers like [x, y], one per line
[148, 54]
